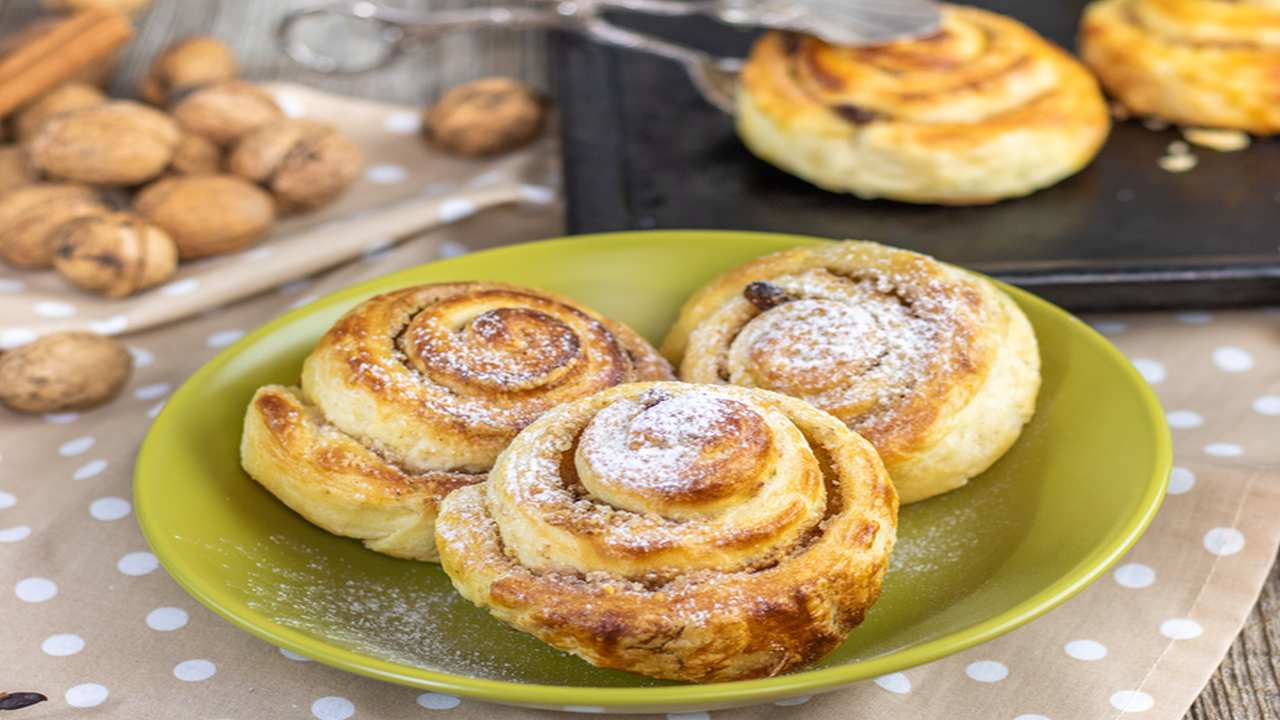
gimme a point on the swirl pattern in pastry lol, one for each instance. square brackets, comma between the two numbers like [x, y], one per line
[414, 393]
[1213, 63]
[937, 368]
[983, 110]
[682, 531]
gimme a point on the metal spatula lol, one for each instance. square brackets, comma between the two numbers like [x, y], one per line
[842, 22]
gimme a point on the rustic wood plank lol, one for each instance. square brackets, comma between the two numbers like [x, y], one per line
[1247, 684]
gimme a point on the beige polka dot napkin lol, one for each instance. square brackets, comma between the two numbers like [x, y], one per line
[95, 624]
[407, 188]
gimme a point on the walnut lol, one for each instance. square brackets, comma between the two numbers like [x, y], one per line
[64, 98]
[224, 111]
[195, 61]
[15, 171]
[207, 214]
[114, 254]
[303, 162]
[117, 143]
[63, 371]
[485, 117]
[30, 217]
[195, 155]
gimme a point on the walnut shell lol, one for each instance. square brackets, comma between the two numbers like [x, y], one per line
[303, 162]
[224, 111]
[114, 254]
[190, 63]
[63, 371]
[485, 117]
[207, 214]
[196, 155]
[118, 143]
[64, 98]
[30, 217]
[15, 171]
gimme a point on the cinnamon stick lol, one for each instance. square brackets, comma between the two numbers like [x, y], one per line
[42, 57]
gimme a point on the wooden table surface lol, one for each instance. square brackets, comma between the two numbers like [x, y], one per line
[1246, 685]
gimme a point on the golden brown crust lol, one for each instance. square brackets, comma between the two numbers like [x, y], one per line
[983, 110]
[911, 353]
[445, 375]
[337, 483]
[1194, 62]
[425, 385]
[698, 589]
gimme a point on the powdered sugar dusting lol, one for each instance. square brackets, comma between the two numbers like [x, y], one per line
[862, 347]
[658, 447]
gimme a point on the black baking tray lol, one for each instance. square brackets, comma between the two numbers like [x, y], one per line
[643, 150]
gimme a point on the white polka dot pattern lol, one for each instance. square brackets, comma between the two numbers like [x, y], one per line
[153, 391]
[896, 683]
[35, 589]
[332, 708]
[136, 564]
[78, 446]
[14, 534]
[1223, 541]
[455, 209]
[62, 645]
[113, 325]
[51, 309]
[1134, 701]
[1267, 405]
[1135, 576]
[86, 696]
[438, 701]
[167, 619]
[1180, 629]
[987, 671]
[1233, 359]
[1087, 650]
[1181, 480]
[1152, 371]
[107, 509]
[194, 670]
[223, 338]
[386, 174]
[91, 469]
[1184, 419]
[402, 123]
[185, 286]
[11, 338]
[1223, 449]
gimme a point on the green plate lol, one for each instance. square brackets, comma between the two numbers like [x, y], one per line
[1065, 503]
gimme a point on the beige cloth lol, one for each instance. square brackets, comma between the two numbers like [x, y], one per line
[90, 620]
[407, 187]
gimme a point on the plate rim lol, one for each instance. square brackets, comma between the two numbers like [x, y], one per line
[688, 696]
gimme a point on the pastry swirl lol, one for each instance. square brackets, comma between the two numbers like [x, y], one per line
[414, 393]
[681, 531]
[984, 109]
[935, 367]
[1195, 62]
